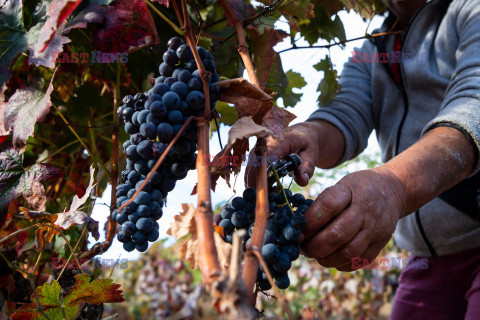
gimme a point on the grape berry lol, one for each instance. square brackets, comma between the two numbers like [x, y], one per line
[152, 120]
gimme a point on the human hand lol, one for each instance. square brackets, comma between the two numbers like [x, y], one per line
[354, 218]
[316, 142]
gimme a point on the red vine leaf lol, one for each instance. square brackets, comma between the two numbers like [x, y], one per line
[184, 229]
[46, 43]
[127, 24]
[19, 115]
[265, 59]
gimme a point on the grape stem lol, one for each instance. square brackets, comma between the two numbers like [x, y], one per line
[279, 296]
[280, 185]
[161, 15]
[208, 256]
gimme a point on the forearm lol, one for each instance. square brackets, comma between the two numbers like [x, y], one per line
[440, 159]
[330, 140]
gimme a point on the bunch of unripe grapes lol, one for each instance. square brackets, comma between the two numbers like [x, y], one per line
[280, 243]
[152, 120]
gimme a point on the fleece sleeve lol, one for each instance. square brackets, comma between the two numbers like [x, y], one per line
[461, 106]
[351, 110]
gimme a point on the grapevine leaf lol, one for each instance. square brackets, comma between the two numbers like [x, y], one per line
[241, 9]
[295, 80]
[47, 40]
[247, 98]
[77, 202]
[226, 162]
[243, 129]
[27, 106]
[184, 229]
[268, 65]
[277, 120]
[367, 8]
[49, 298]
[96, 292]
[68, 219]
[322, 26]
[293, 11]
[15, 181]
[228, 116]
[127, 20]
[12, 41]
[329, 85]
[65, 220]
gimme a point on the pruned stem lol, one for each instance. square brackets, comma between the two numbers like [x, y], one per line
[242, 44]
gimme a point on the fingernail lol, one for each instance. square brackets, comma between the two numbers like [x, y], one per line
[306, 177]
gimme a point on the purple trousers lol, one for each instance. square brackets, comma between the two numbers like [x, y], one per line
[449, 288]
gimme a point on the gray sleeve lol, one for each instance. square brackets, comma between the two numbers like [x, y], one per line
[461, 106]
[351, 110]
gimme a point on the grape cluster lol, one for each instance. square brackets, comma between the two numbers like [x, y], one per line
[152, 120]
[280, 243]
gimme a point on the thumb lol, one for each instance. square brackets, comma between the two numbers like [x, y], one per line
[305, 171]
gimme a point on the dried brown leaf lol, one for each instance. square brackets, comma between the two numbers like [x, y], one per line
[185, 231]
[277, 120]
[247, 98]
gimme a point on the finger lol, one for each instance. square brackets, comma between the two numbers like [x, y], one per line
[305, 171]
[335, 235]
[348, 254]
[275, 150]
[367, 258]
[328, 204]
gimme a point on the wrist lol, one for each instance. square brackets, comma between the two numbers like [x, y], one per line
[330, 142]
[396, 188]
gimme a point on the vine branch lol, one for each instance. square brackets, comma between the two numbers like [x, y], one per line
[208, 257]
[328, 46]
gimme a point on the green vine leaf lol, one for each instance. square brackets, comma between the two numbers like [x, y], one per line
[295, 80]
[329, 85]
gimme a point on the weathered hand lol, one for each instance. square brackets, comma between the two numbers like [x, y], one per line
[311, 141]
[354, 218]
